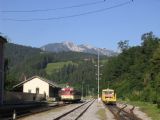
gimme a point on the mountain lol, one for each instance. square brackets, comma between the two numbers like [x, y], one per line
[24, 61]
[70, 46]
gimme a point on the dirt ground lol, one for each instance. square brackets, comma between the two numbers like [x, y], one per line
[136, 111]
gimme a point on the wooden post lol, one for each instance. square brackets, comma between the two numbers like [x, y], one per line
[2, 42]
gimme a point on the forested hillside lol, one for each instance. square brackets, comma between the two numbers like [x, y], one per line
[135, 73]
[18, 53]
[83, 72]
[27, 61]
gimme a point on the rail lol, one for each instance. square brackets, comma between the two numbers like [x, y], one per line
[30, 110]
[71, 111]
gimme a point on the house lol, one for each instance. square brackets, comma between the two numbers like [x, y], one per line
[38, 85]
[2, 42]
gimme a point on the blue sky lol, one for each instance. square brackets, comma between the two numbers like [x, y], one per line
[103, 29]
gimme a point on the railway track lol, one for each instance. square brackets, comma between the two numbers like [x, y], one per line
[30, 111]
[121, 114]
[75, 113]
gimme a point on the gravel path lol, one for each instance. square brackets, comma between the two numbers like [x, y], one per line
[97, 112]
[110, 116]
[90, 114]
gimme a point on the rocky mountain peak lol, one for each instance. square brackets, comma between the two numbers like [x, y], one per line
[70, 46]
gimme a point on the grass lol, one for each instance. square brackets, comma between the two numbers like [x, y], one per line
[101, 114]
[150, 109]
[52, 67]
[104, 61]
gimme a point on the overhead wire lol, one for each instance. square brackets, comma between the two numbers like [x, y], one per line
[70, 16]
[52, 9]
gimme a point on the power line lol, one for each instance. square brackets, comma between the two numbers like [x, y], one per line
[60, 8]
[70, 16]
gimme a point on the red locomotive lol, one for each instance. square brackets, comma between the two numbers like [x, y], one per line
[69, 94]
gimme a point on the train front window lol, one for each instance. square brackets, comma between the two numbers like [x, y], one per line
[66, 92]
[108, 92]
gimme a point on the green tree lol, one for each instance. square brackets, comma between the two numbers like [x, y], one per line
[123, 45]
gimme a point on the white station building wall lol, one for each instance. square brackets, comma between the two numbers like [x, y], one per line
[36, 83]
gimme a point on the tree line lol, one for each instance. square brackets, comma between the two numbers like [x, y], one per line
[135, 72]
[24, 62]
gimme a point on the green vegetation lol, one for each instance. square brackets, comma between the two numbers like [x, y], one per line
[103, 61]
[150, 109]
[53, 67]
[101, 114]
[65, 67]
[83, 72]
[135, 72]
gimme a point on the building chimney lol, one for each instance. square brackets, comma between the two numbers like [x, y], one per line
[2, 42]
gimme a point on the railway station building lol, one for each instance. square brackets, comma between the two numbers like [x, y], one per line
[38, 85]
[2, 42]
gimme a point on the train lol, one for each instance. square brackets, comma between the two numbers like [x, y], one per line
[69, 94]
[109, 96]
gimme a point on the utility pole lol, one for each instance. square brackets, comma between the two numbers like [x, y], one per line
[98, 74]
[88, 90]
[93, 92]
[82, 90]
[108, 84]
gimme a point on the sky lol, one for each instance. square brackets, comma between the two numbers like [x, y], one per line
[102, 29]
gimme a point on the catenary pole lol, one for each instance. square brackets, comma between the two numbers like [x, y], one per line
[98, 74]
